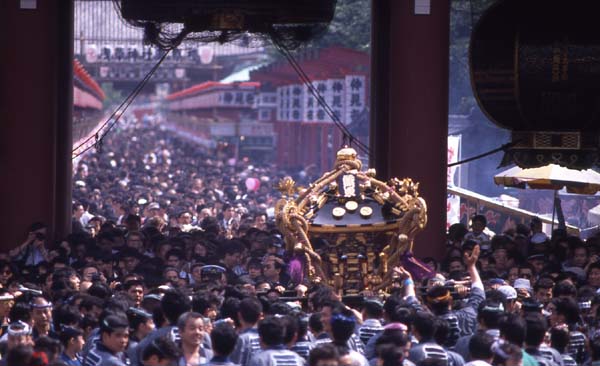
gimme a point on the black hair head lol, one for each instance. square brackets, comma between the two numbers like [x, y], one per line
[112, 323]
[174, 303]
[224, 339]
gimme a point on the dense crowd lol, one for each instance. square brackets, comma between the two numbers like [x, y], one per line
[174, 259]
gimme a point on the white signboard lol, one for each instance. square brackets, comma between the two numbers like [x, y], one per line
[355, 97]
[453, 202]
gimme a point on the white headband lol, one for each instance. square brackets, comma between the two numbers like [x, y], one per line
[6, 296]
[23, 329]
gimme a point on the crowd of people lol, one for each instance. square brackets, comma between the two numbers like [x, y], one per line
[174, 259]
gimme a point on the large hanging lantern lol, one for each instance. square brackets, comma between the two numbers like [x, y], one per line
[167, 23]
[535, 69]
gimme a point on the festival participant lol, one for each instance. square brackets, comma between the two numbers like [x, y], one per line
[488, 322]
[330, 309]
[135, 240]
[72, 342]
[595, 351]
[248, 343]
[324, 355]
[303, 345]
[593, 275]
[129, 259]
[231, 256]
[271, 332]
[479, 232]
[114, 334]
[534, 336]
[6, 303]
[273, 271]
[372, 313]
[161, 352]
[480, 350]
[227, 217]
[423, 331]
[41, 314]
[559, 340]
[542, 291]
[223, 338]
[506, 354]
[463, 321]
[191, 330]
[172, 305]
[140, 325]
[343, 324]
[565, 311]
[78, 210]
[512, 331]
[7, 272]
[135, 291]
[18, 333]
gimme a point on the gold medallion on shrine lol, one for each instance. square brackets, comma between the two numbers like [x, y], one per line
[338, 212]
[366, 211]
[351, 206]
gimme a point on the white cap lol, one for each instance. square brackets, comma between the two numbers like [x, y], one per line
[539, 238]
[508, 291]
[522, 283]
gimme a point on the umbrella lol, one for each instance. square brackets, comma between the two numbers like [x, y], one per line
[553, 177]
[593, 215]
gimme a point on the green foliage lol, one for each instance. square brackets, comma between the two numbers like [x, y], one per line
[351, 26]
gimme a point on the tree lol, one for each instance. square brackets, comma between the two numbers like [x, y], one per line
[350, 27]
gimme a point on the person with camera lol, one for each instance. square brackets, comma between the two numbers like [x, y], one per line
[33, 250]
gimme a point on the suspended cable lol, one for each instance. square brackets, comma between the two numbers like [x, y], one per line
[100, 134]
[131, 96]
[347, 135]
[476, 157]
[345, 131]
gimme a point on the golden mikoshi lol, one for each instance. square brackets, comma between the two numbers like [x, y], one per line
[349, 227]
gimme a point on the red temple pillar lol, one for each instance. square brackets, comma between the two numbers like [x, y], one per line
[409, 116]
[36, 100]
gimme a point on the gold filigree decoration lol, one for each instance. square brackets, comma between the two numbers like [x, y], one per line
[287, 186]
[402, 195]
